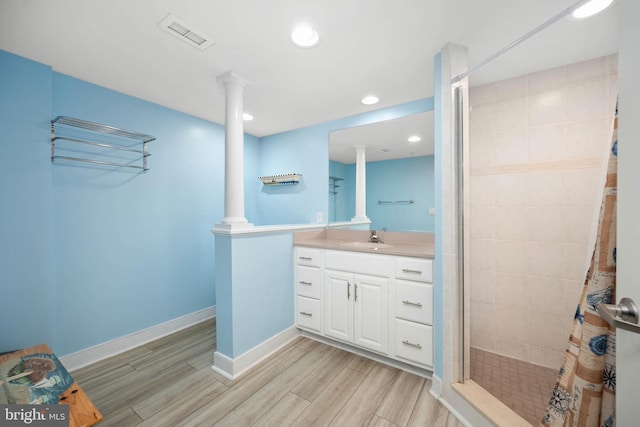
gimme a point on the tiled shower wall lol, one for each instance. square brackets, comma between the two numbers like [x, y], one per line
[537, 146]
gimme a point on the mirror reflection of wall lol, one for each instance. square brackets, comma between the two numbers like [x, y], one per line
[399, 173]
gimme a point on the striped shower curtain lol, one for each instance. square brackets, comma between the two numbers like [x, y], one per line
[584, 393]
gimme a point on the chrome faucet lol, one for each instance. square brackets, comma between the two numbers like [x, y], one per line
[373, 237]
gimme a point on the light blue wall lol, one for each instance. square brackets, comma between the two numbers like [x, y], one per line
[133, 250]
[257, 295]
[401, 180]
[252, 185]
[224, 295]
[122, 251]
[96, 253]
[398, 179]
[26, 282]
[306, 151]
[255, 290]
[263, 273]
[342, 204]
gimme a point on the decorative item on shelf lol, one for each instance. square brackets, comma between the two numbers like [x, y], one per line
[333, 186]
[286, 179]
[106, 140]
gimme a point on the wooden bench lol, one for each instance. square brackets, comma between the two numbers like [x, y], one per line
[82, 412]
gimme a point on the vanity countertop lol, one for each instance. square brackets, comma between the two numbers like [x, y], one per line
[420, 245]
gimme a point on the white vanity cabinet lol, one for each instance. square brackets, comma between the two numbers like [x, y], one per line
[412, 308]
[308, 288]
[378, 302]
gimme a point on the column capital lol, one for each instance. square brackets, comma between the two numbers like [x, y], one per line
[232, 78]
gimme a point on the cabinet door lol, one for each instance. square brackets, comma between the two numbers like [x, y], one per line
[338, 303]
[371, 317]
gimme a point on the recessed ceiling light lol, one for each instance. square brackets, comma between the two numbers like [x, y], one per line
[591, 8]
[414, 138]
[247, 117]
[370, 100]
[304, 35]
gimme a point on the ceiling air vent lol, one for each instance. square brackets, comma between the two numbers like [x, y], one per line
[186, 33]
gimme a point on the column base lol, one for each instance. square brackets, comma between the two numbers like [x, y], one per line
[226, 226]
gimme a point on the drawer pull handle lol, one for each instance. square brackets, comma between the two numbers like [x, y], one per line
[305, 258]
[409, 343]
[302, 282]
[408, 270]
[416, 304]
[304, 313]
[356, 291]
[348, 290]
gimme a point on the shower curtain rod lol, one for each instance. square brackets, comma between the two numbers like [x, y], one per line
[516, 42]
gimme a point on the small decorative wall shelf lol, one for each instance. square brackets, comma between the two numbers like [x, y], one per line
[287, 179]
[333, 184]
[99, 144]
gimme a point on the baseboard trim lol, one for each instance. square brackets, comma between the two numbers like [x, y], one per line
[423, 372]
[436, 386]
[234, 368]
[116, 346]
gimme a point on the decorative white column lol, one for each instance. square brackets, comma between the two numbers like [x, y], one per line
[361, 185]
[234, 152]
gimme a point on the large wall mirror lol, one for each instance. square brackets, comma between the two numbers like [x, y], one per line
[399, 173]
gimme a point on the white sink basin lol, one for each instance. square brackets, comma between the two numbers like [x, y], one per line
[366, 245]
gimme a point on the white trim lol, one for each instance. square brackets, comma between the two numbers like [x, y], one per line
[222, 365]
[436, 392]
[348, 224]
[436, 386]
[234, 368]
[455, 412]
[265, 229]
[119, 345]
[395, 363]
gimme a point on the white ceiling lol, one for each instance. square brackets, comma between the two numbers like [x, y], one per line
[384, 140]
[372, 46]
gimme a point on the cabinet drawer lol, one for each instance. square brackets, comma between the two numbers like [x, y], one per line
[307, 256]
[357, 262]
[414, 342]
[418, 269]
[414, 301]
[308, 313]
[307, 281]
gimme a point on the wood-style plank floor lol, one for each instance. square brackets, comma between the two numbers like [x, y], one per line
[169, 382]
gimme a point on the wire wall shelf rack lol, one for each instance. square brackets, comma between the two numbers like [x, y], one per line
[98, 144]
